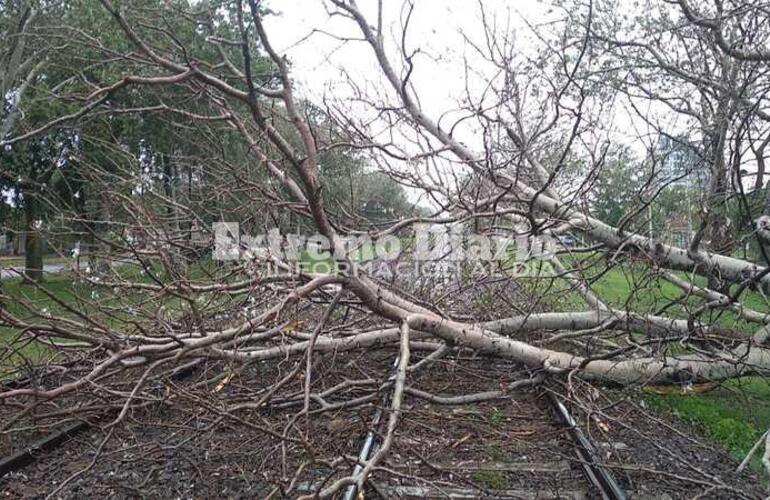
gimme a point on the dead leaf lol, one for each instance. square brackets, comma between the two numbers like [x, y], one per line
[665, 390]
[701, 388]
[222, 383]
[292, 325]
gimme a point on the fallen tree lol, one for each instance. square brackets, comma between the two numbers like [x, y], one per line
[258, 154]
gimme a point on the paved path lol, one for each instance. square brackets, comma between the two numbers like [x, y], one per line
[14, 272]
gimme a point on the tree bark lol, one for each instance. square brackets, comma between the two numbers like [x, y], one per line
[33, 243]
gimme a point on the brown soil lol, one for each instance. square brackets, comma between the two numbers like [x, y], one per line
[181, 446]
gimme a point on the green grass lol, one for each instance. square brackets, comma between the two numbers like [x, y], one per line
[734, 415]
[15, 351]
[496, 416]
[491, 479]
[119, 309]
[631, 287]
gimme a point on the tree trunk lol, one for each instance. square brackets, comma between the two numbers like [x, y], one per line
[33, 243]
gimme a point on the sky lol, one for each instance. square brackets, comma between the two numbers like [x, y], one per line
[437, 27]
[326, 52]
[320, 61]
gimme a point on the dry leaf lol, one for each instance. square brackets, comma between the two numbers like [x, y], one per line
[222, 383]
[665, 390]
[292, 325]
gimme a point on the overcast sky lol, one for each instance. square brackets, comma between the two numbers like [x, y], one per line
[321, 61]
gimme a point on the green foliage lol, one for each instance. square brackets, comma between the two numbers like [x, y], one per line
[642, 194]
[617, 187]
[380, 198]
[371, 197]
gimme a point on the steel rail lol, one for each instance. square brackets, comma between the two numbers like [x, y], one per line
[59, 437]
[370, 441]
[45, 444]
[599, 476]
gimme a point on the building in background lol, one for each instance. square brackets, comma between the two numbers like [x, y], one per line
[682, 172]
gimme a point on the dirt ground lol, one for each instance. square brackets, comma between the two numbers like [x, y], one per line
[185, 445]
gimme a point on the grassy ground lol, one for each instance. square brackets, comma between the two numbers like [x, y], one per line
[735, 415]
[13, 352]
[61, 295]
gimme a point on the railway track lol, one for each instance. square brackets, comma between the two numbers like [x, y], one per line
[520, 446]
[15, 462]
[476, 478]
[600, 480]
[596, 472]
